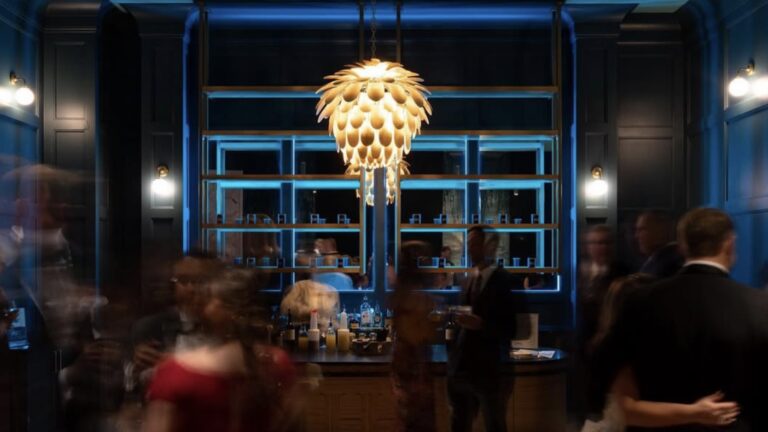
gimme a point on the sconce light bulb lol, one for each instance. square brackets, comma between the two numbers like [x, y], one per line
[597, 188]
[6, 97]
[760, 87]
[162, 187]
[738, 87]
[25, 96]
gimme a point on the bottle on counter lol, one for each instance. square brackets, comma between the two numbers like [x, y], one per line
[342, 336]
[450, 332]
[303, 339]
[313, 334]
[365, 313]
[354, 322]
[378, 318]
[330, 338]
[289, 334]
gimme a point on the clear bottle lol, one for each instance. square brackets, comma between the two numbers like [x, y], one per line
[378, 320]
[330, 338]
[365, 313]
[450, 332]
[354, 322]
[313, 334]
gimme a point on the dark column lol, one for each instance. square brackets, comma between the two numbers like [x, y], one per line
[163, 138]
[596, 50]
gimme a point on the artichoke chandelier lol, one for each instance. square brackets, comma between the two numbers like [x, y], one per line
[374, 109]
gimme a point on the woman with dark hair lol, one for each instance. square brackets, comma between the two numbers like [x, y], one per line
[233, 383]
[412, 379]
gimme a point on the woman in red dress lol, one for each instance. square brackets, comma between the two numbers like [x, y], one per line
[232, 384]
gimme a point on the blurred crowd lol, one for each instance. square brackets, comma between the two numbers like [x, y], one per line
[671, 343]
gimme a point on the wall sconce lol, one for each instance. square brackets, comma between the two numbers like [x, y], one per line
[24, 95]
[160, 185]
[739, 86]
[597, 187]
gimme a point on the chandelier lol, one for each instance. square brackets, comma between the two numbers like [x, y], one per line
[374, 109]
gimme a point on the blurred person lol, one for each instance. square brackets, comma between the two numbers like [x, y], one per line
[474, 361]
[303, 297]
[597, 271]
[233, 383]
[653, 235]
[412, 379]
[92, 386]
[178, 327]
[622, 405]
[699, 332]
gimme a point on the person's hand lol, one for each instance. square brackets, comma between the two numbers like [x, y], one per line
[469, 321]
[712, 411]
[147, 355]
[102, 356]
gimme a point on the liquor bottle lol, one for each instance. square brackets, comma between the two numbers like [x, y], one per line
[342, 336]
[450, 332]
[313, 335]
[303, 338]
[377, 317]
[365, 313]
[330, 338]
[289, 334]
[354, 322]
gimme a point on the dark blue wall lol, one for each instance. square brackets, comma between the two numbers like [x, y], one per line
[18, 126]
[727, 138]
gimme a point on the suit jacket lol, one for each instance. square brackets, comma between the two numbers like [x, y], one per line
[694, 334]
[477, 354]
[591, 296]
[664, 262]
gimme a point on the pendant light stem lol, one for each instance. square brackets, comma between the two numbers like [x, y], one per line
[399, 34]
[361, 31]
[373, 28]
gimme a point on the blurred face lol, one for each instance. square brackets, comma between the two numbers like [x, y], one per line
[647, 235]
[188, 275]
[476, 247]
[599, 247]
[216, 316]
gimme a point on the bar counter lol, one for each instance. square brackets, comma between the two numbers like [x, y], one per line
[355, 392]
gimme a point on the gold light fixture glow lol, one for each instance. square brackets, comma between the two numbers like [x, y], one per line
[374, 109]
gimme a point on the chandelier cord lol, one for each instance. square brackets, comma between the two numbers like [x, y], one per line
[373, 28]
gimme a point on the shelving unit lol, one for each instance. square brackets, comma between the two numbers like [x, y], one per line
[472, 180]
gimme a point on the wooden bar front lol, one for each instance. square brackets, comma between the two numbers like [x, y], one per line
[355, 393]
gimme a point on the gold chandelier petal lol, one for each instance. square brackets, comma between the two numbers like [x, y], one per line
[356, 118]
[385, 137]
[341, 120]
[353, 137]
[398, 119]
[398, 93]
[413, 109]
[367, 135]
[378, 118]
[362, 152]
[352, 91]
[328, 110]
[375, 91]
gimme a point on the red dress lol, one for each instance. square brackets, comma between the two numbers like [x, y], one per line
[204, 401]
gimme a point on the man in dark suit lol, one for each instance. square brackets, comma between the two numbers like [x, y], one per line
[699, 332]
[652, 232]
[475, 359]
